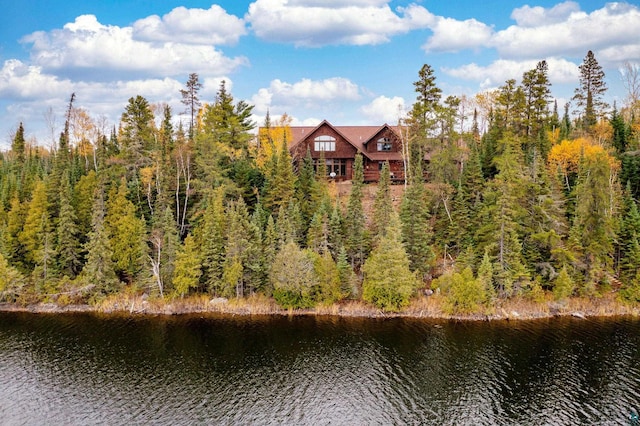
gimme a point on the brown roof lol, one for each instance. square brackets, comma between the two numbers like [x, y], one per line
[357, 136]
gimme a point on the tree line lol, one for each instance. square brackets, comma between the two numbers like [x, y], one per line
[532, 204]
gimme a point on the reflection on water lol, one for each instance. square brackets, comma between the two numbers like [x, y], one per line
[87, 369]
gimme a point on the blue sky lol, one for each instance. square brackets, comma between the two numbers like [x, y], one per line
[350, 62]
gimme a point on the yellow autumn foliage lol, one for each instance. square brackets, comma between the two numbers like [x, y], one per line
[271, 140]
[565, 156]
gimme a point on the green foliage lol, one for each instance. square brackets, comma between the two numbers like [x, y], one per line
[293, 277]
[382, 207]
[187, 272]
[388, 281]
[416, 229]
[99, 271]
[11, 281]
[464, 293]
[563, 285]
[127, 234]
[355, 237]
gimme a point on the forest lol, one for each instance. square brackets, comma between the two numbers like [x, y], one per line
[520, 200]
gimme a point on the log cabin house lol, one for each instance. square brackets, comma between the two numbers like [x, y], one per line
[339, 145]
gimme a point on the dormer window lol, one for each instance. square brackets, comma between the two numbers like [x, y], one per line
[384, 144]
[324, 143]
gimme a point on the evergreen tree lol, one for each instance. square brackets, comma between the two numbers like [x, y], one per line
[222, 142]
[99, 270]
[500, 216]
[37, 225]
[593, 229]
[280, 187]
[191, 100]
[620, 131]
[68, 249]
[355, 237]
[187, 271]
[416, 229]
[588, 95]
[382, 207]
[137, 133]
[336, 230]
[164, 245]
[18, 148]
[388, 281]
[127, 234]
[210, 236]
[293, 277]
[307, 189]
[15, 249]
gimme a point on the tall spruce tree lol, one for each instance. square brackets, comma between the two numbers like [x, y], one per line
[99, 270]
[416, 227]
[191, 100]
[589, 94]
[382, 206]
[355, 236]
[388, 281]
[68, 249]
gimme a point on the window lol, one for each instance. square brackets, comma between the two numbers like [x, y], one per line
[324, 143]
[336, 166]
[384, 144]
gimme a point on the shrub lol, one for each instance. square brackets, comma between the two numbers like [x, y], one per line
[465, 295]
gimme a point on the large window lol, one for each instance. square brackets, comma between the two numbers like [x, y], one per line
[384, 144]
[337, 166]
[324, 143]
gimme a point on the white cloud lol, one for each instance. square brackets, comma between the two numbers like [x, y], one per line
[453, 35]
[315, 23]
[27, 82]
[306, 91]
[384, 110]
[191, 26]
[527, 16]
[324, 98]
[88, 44]
[566, 30]
[495, 74]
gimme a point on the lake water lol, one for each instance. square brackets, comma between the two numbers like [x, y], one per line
[85, 369]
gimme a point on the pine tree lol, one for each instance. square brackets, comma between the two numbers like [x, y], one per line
[382, 207]
[355, 238]
[18, 148]
[293, 277]
[620, 131]
[164, 245]
[137, 133]
[498, 230]
[68, 250]
[336, 230]
[280, 186]
[15, 249]
[127, 234]
[37, 225]
[416, 229]
[187, 272]
[211, 239]
[191, 100]
[593, 228]
[99, 270]
[241, 251]
[588, 95]
[388, 281]
[307, 189]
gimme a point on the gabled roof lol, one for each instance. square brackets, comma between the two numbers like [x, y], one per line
[358, 136]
